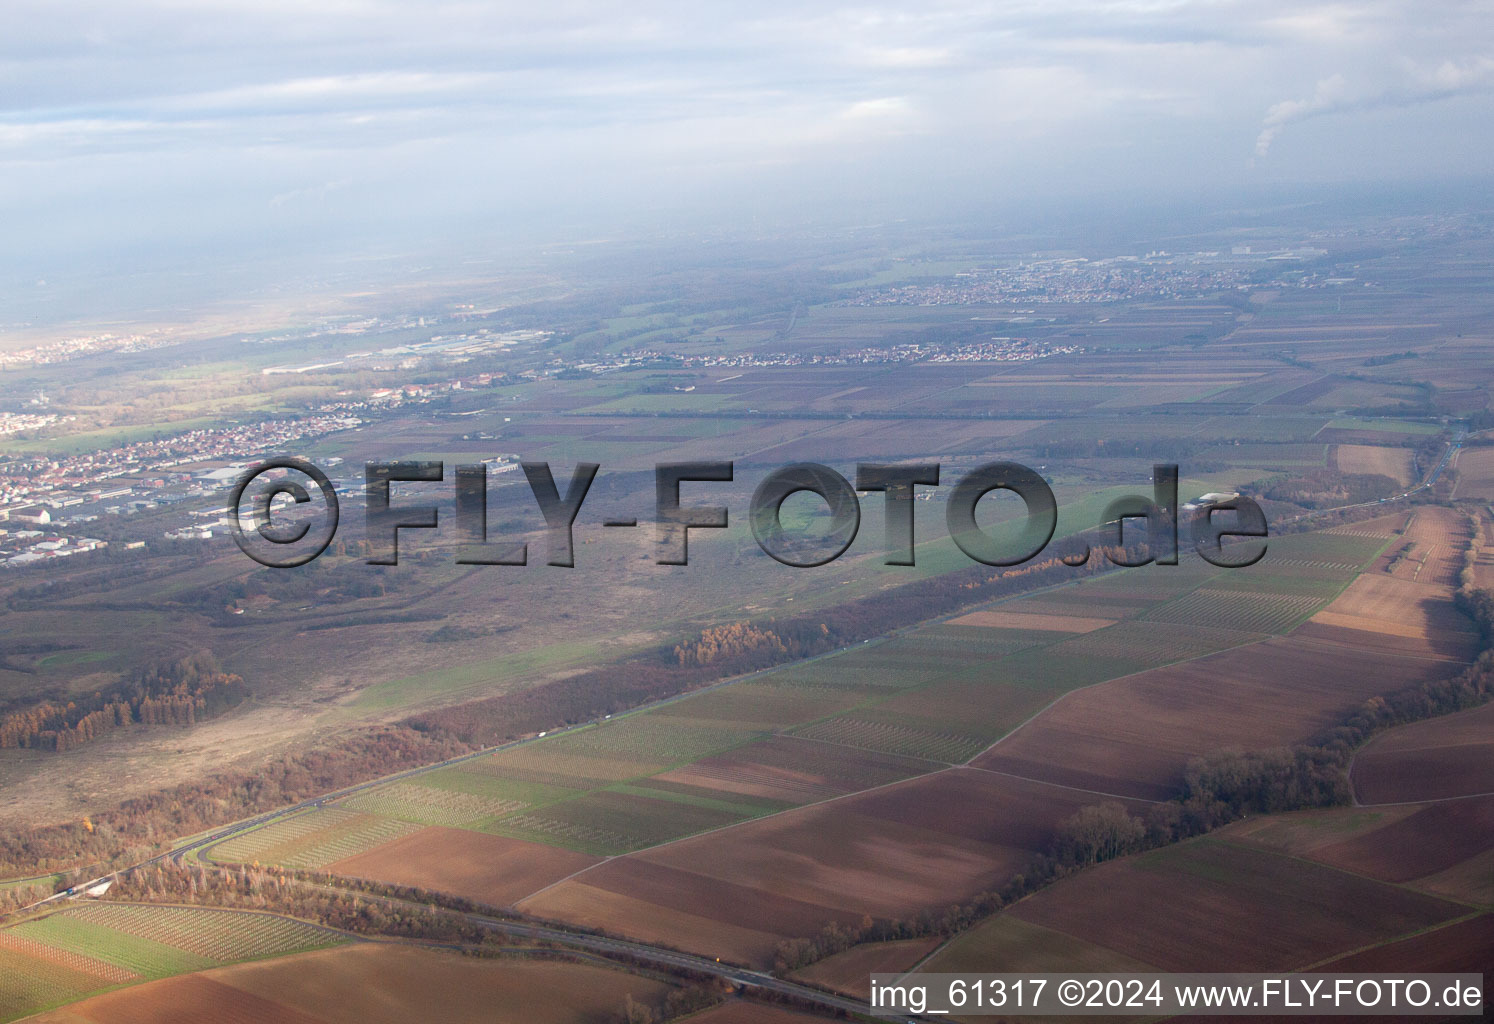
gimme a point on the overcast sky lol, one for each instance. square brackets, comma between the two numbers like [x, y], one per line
[153, 123]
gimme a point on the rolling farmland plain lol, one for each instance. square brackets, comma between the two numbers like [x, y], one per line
[896, 778]
[895, 783]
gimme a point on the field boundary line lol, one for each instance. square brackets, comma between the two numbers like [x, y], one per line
[1298, 858]
[739, 824]
[1429, 800]
[1059, 785]
[1430, 929]
[1262, 638]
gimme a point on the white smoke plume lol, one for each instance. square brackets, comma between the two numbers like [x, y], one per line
[1416, 84]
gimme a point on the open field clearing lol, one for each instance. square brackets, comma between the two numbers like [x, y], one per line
[496, 870]
[371, 983]
[1396, 616]
[1228, 908]
[1134, 736]
[1395, 463]
[1442, 757]
[850, 972]
[311, 840]
[888, 853]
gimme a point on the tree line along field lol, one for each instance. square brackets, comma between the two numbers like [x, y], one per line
[836, 737]
[93, 946]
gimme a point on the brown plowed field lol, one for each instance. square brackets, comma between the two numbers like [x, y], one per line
[575, 902]
[1465, 946]
[375, 983]
[1213, 906]
[187, 999]
[1435, 838]
[1475, 468]
[1441, 757]
[489, 869]
[1362, 458]
[922, 844]
[1135, 735]
[1438, 539]
[1396, 616]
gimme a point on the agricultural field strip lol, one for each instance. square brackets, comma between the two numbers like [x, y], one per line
[1474, 909]
[870, 702]
[1272, 613]
[967, 746]
[1060, 785]
[310, 839]
[1363, 567]
[68, 958]
[155, 939]
[222, 934]
[95, 947]
[29, 984]
[1472, 915]
[952, 749]
[523, 823]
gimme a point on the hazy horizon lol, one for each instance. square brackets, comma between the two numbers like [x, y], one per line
[156, 133]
